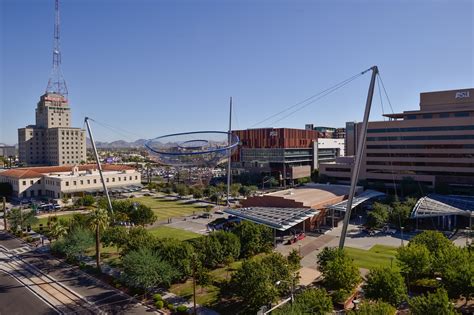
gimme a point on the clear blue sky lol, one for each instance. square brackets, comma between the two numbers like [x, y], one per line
[157, 67]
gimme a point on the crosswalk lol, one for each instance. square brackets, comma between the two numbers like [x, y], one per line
[20, 250]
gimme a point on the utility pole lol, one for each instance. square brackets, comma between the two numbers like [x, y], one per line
[86, 120]
[4, 215]
[230, 152]
[360, 151]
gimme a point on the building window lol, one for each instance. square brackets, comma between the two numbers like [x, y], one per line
[461, 114]
[444, 115]
[24, 182]
[67, 183]
[113, 179]
[136, 177]
[107, 180]
[31, 182]
[74, 183]
[427, 116]
[95, 181]
[88, 181]
[82, 182]
[411, 117]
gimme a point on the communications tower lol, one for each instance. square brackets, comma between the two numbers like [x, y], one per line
[56, 82]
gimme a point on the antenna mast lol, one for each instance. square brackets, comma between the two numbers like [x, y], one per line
[56, 82]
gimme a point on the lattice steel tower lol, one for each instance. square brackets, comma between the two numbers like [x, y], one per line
[56, 82]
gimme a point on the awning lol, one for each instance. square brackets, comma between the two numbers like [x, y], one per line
[362, 197]
[434, 205]
[276, 218]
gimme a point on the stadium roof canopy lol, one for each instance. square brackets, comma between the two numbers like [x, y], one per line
[434, 205]
[362, 197]
[277, 218]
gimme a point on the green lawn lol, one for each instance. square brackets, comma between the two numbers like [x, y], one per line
[164, 208]
[166, 231]
[377, 256]
[44, 221]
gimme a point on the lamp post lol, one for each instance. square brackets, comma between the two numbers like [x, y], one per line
[292, 288]
[401, 231]
[468, 235]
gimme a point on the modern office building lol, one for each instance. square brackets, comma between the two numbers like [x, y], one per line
[56, 181]
[52, 140]
[328, 132]
[284, 153]
[433, 145]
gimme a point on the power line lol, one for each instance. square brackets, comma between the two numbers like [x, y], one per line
[315, 100]
[330, 89]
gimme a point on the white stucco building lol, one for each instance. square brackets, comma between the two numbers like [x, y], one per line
[56, 181]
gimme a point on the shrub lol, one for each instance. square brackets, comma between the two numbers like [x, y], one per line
[170, 307]
[159, 304]
[340, 296]
[182, 309]
[157, 297]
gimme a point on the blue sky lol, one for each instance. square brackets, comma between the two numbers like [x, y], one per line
[158, 67]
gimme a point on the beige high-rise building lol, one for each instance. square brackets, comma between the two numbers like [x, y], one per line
[433, 145]
[52, 140]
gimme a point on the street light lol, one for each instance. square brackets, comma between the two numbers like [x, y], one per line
[468, 235]
[401, 230]
[292, 288]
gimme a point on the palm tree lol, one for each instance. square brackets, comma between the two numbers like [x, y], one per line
[99, 219]
[57, 230]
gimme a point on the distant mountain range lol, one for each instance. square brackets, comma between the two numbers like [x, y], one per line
[118, 144]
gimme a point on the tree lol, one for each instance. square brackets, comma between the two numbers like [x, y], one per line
[433, 240]
[177, 253]
[456, 267]
[75, 243]
[18, 218]
[57, 230]
[310, 301]
[79, 220]
[142, 215]
[247, 191]
[339, 270]
[217, 248]
[98, 220]
[400, 213]
[254, 238]
[144, 269]
[385, 284]
[254, 283]
[115, 236]
[378, 216]
[374, 308]
[414, 260]
[85, 201]
[294, 260]
[182, 190]
[234, 189]
[138, 237]
[197, 192]
[432, 303]
[328, 254]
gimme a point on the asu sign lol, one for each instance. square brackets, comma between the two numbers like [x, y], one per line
[462, 94]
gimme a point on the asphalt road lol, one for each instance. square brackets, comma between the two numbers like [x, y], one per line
[16, 299]
[8, 241]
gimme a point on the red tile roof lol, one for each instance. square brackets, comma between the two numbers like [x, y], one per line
[33, 172]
